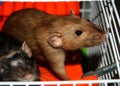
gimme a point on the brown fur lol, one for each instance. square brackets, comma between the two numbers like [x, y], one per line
[49, 36]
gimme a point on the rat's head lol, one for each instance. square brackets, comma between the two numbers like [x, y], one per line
[17, 65]
[73, 33]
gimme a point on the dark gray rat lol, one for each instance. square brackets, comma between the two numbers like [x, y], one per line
[16, 63]
[50, 36]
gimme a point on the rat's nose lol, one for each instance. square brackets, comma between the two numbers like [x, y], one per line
[100, 36]
[103, 36]
[27, 76]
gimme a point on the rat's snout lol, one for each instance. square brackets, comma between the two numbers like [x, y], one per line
[99, 36]
[102, 36]
[27, 76]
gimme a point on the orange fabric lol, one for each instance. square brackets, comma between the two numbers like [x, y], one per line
[50, 7]
[40, 5]
[28, 5]
[2, 19]
[18, 6]
[74, 72]
[73, 68]
[8, 6]
[58, 8]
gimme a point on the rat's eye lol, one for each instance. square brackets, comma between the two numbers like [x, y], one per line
[88, 20]
[78, 32]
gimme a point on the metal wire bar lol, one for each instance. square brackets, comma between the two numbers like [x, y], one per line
[62, 82]
[104, 13]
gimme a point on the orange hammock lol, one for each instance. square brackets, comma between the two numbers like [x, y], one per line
[58, 8]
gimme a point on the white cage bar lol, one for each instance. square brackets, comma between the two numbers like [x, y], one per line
[58, 83]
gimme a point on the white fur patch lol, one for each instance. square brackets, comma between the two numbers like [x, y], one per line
[15, 63]
[11, 54]
[2, 70]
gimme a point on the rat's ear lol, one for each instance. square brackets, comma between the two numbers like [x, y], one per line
[72, 13]
[55, 40]
[26, 49]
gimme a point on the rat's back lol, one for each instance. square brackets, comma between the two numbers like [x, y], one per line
[23, 21]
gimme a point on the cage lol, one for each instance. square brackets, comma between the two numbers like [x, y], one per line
[106, 14]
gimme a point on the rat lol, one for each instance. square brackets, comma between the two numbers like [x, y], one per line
[50, 36]
[16, 62]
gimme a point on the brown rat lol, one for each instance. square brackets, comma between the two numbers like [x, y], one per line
[49, 36]
[16, 63]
